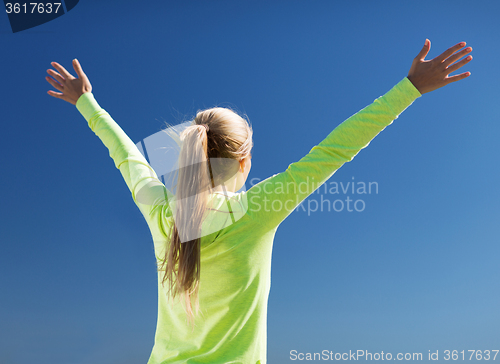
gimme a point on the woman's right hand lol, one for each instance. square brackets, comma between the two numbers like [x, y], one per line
[428, 76]
[71, 88]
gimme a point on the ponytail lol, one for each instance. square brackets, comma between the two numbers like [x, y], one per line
[182, 263]
[216, 133]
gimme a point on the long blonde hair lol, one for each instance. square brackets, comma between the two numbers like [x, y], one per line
[216, 134]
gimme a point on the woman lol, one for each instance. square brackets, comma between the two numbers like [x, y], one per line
[212, 244]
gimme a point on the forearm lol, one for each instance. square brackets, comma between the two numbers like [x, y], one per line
[147, 191]
[304, 176]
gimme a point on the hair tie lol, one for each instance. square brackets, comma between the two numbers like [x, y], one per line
[206, 127]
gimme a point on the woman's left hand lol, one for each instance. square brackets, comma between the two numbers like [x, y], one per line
[428, 76]
[71, 88]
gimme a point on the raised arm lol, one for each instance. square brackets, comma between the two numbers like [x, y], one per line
[149, 194]
[277, 196]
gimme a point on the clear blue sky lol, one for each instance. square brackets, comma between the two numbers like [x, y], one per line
[417, 270]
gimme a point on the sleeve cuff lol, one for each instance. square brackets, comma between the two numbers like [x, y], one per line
[410, 89]
[401, 96]
[87, 105]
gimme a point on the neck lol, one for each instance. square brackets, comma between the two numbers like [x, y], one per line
[226, 188]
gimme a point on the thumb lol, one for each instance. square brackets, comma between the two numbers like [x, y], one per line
[78, 68]
[425, 50]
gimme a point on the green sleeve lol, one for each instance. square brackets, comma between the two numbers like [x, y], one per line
[273, 199]
[148, 192]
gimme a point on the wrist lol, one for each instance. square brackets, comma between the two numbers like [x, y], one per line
[415, 84]
[78, 97]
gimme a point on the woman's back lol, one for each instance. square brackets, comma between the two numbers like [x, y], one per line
[235, 278]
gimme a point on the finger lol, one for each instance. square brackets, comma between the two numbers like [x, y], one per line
[78, 68]
[61, 70]
[55, 94]
[457, 56]
[457, 77]
[57, 76]
[457, 65]
[425, 50]
[54, 83]
[450, 51]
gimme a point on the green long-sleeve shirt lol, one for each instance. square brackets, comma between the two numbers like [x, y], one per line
[235, 272]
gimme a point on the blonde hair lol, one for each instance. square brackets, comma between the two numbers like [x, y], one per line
[216, 134]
